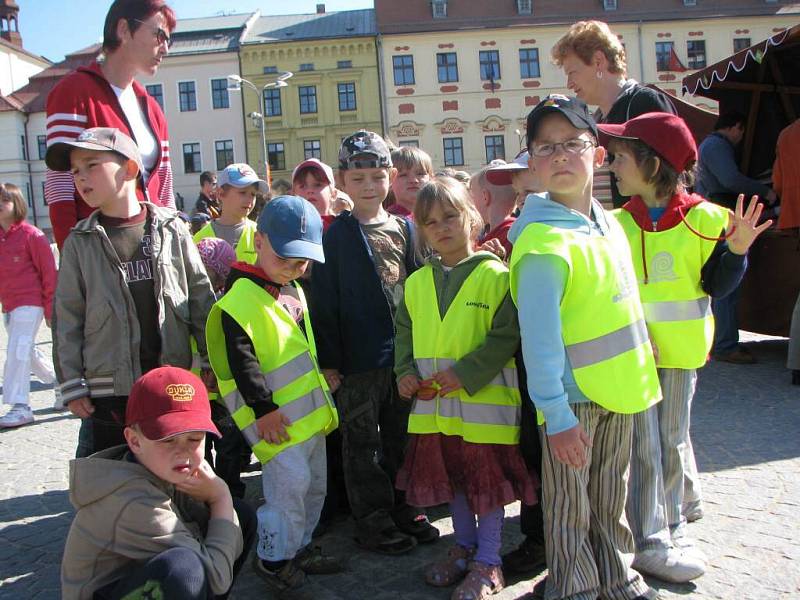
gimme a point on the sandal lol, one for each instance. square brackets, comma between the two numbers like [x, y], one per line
[451, 570]
[482, 582]
[390, 541]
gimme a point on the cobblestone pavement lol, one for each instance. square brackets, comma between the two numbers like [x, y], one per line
[745, 432]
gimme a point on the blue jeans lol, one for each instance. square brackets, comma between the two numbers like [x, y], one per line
[726, 332]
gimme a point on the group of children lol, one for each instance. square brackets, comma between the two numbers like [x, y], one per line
[422, 322]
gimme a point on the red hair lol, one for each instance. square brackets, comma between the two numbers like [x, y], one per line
[133, 11]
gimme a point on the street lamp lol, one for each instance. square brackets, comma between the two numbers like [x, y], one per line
[259, 118]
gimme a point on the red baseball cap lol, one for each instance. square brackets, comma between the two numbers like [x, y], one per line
[502, 174]
[167, 401]
[665, 133]
[318, 165]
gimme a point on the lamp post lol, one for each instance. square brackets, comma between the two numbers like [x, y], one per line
[260, 117]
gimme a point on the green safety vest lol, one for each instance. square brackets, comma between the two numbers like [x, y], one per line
[677, 310]
[492, 414]
[245, 247]
[602, 323]
[287, 358]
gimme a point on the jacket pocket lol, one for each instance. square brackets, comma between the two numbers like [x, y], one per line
[96, 319]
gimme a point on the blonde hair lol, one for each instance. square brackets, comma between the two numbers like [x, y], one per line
[585, 38]
[11, 193]
[446, 192]
[411, 157]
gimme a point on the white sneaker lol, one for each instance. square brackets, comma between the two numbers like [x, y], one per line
[673, 565]
[19, 415]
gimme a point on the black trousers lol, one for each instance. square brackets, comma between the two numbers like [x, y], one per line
[531, 519]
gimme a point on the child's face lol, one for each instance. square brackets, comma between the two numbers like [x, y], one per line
[174, 459]
[368, 188]
[524, 183]
[278, 269]
[406, 185]
[623, 165]
[446, 230]
[6, 210]
[236, 203]
[99, 177]
[317, 191]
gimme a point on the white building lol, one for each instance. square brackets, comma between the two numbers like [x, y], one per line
[17, 65]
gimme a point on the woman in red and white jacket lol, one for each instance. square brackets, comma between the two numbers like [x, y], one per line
[105, 94]
[27, 285]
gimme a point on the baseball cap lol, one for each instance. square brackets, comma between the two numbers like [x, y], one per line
[665, 133]
[315, 163]
[103, 139]
[167, 401]
[294, 228]
[364, 150]
[501, 174]
[241, 175]
[574, 109]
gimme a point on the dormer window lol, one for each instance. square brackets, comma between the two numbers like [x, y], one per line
[439, 9]
[609, 4]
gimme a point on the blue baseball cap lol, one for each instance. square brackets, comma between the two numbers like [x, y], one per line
[241, 175]
[294, 228]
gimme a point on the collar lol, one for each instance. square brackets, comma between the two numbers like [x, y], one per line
[679, 203]
[272, 288]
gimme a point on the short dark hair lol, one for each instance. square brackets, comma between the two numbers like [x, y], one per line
[729, 119]
[133, 11]
[206, 177]
[662, 175]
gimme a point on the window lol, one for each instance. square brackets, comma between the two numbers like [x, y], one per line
[276, 156]
[272, 102]
[524, 7]
[610, 4]
[344, 64]
[270, 70]
[156, 90]
[410, 143]
[740, 44]
[347, 96]
[696, 53]
[191, 158]
[490, 64]
[453, 152]
[690, 2]
[219, 93]
[24, 143]
[663, 55]
[306, 66]
[224, 152]
[495, 148]
[403, 66]
[439, 8]
[308, 99]
[41, 142]
[447, 65]
[187, 96]
[312, 149]
[529, 63]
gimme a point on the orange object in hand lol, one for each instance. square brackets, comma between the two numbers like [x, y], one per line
[427, 390]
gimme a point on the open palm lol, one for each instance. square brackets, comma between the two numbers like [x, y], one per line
[744, 227]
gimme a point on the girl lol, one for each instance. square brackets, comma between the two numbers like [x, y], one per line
[684, 249]
[313, 180]
[465, 417]
[27, 285]
[414, 169]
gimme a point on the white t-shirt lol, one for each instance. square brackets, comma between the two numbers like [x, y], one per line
[148, 145]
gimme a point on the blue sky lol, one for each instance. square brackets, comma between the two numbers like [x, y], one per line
[52, 28]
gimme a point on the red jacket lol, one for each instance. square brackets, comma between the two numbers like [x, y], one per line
[27, 269]
[85, 99]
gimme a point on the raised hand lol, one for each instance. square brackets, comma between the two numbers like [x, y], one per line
[744, 227]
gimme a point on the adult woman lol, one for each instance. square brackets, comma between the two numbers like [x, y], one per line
[104, 94]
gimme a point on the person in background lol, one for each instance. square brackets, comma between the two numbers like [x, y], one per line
[280, 187]
[207, 198]
[313, 180]
[342, 202]
[414, 169]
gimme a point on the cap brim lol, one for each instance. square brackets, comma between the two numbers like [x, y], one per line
[570, 115]
[298, 249]
[57, 156]
[177, 422]
[503, 175]
[606, 132]
[316, 166]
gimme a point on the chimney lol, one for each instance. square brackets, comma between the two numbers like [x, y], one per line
[320, 9]
[9, 22]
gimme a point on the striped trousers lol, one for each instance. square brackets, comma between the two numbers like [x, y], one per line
[587, 542]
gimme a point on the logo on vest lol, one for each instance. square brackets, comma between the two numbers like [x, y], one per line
[475, 304]
[662, 268]
[180, 392]
[625, 281]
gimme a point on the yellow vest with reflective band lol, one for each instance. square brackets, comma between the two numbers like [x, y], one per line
[245, 247]
[492, 414]
[287, 358]
[602, 324]
[197, 365]
[677, 310]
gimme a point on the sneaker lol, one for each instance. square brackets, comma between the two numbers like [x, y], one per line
[287, 579]
[674, 564]
[19, 415]
[312, 561]
[693, 511]
[527, 558]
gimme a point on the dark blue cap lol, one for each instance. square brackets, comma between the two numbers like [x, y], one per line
[294, 228]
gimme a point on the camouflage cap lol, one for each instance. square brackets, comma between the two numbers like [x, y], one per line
[364, 150]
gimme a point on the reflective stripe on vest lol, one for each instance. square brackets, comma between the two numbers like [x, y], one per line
[659, 312]
[426, 367]
[469, 412]
[607, 346]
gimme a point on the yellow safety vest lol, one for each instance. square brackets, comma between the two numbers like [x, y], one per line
[492, 414]
[677, 310]
[245, 247]
[602, 323]
[287, 358]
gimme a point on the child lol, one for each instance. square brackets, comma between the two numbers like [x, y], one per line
[217, 256]
[27, 284]
[152, 518]
[589, 363]
[313, 180]
[342, 202]
[131, 288]
[263, 353]
[465, 417]
[495, 203]
[369, 254]
[238, 186]
[681, 255]
[414, 169]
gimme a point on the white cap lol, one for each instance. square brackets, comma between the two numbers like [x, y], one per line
[501, 175]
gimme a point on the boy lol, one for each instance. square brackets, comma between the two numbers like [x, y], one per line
[313, 180]
[263, 353]
[369, 254]
[516, 174]
[238, 186]
[495, 202]
[414, 169]
[587, 354]
[131, 288]
[152, 518]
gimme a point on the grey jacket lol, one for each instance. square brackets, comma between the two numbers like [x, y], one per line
[95, 327]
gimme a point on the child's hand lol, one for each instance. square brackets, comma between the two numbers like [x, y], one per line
[744, 228]
[333, 377]
[408, 385]
[427, 390]
[495, 247]
[448, 381]
[204, 485]
[272, 427]
[570, 446]
[81, 407]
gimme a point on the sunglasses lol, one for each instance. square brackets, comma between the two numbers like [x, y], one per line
[162, 37]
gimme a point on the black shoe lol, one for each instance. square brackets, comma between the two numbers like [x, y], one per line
[527, 558]
[312, 561]
[420, 527]
[795, 377]
[390, 541]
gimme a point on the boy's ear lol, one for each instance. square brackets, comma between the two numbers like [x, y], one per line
[392, 175]
[133, 440]
[131, 170]
[258, 240]
[599, 156]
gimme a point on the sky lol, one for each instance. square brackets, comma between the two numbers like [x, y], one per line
[53, 28]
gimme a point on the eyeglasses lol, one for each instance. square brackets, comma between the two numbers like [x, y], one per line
[573, 146]
[162, 37]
